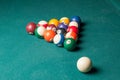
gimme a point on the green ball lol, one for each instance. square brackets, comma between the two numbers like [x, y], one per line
[69, 44]
[39, 31]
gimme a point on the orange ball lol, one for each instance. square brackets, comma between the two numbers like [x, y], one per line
[49, 35]
[54, 21]
[71, 35]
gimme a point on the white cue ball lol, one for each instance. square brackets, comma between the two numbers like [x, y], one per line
[84, 64]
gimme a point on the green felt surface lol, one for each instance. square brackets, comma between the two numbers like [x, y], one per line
[25, 57]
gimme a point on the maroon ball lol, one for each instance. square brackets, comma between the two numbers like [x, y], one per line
[30, 28]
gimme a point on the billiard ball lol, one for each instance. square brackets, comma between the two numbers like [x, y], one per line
[73, 23]
[64, 20]
[54, 21]
[49, 35]
[69, 44]
[62, 25]
[58, 39]
[42, 23]
[72, 35]
[72, 29]
[76, 18]
[39, 31]
[61, 31]
[30, 28]
[51, 27]
[84, 64]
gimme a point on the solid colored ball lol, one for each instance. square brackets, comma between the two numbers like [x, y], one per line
[72, 29]
[61, 31]
[58, 39]
[42, 23]
[84, 64]
[49, 35]
[30, 28]
[39, 32]
[69, 44]
[62, 25]
[73, 23]
[76, 18]
[64, 20]
[51, 27]
[72, 35]
[54, 21]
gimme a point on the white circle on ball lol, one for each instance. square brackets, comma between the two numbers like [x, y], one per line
[84, 64]
[57, 39]
[68, 41]
[58, 31]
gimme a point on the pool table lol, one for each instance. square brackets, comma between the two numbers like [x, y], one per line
[26, 57]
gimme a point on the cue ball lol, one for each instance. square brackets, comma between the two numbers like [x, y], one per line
[84, 64]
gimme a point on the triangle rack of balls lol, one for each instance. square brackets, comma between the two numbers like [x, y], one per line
[63, 32]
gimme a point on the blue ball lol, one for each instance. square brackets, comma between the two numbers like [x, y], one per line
[59, 39]
[76, 18]
[62, 25]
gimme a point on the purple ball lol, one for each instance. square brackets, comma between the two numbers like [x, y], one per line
[62, 25]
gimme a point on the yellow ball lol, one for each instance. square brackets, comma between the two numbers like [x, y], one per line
[54, 21]
[64, 20]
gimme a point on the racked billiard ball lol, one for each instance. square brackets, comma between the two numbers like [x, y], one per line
[51, 27]
[64, 20]
[69, 44]
[58, 39]
[49, 35]
[42, 23]
[76, 18]
[72, 35]
[73, 23]
[39, 31]
[62, 25]
[30, 28]
[61, 31]
[72, 29]
[54, 21]
[84, 64]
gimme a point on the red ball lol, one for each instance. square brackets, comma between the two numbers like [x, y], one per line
[30, 28]
[72, 29]
[42, 23]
